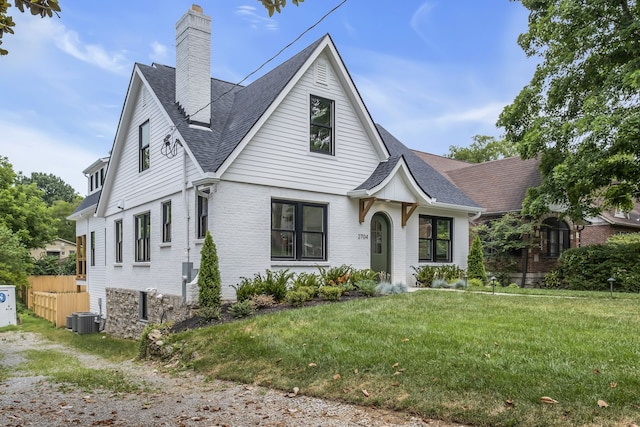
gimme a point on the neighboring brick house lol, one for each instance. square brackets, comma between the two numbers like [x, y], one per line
[500, 187]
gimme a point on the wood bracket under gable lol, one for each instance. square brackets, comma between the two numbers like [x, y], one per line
[407, 211]
[365, 205]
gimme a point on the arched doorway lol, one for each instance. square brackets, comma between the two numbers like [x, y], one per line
[380, 243]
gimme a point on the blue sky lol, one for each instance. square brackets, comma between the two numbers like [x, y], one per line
[434, 73]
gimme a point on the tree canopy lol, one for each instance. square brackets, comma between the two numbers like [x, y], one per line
[277, 5]
[22, 209]
[483, 149]
[580, 113]
[53, 187]
[36, 7]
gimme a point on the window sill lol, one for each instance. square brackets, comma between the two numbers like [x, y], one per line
[305, 263]
[165, 245]
[142, 264]
[198, 242]
[117, 265]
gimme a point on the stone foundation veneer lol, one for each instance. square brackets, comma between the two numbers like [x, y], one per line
[123, 311]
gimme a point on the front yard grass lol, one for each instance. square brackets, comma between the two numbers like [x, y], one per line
[469, 357]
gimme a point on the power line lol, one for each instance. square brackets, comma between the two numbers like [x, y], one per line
[274, 56]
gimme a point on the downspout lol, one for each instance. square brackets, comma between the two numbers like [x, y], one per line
[185, 202]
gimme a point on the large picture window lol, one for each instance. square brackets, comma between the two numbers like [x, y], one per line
[144, 138]
[118, 241]
[143, 235]
[298, 230]
[321, 129]
[435, 243]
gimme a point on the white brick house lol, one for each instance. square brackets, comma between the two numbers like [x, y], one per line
[287, 172]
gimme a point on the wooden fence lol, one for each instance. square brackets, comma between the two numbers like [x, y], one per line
[55, 297]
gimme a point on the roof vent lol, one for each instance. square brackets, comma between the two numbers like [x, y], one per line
[322, 73]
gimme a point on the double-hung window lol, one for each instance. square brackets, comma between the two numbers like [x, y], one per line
[144, 137]
[555, 238]
[298, 230]
[143, 236]
[203, 217]
[321, 125]
[166, 221]
[435, 241]
[118, 241]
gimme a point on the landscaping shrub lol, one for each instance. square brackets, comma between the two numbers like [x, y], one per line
[242, 308]
[276, 283]
[297, 298]
[476, 283]
[426, 274]
[458, 284]
[367, 287]
[552, 280]
[262, 300]
[439, 283]
[589, 267]
[475, 261]
[335, 276]
[209, 283]
[248, 288]
[363, 274]
[207, 314]
[387, 288]
[306, 280]
[330, 293]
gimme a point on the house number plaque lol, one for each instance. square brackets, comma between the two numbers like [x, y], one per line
[363, 237]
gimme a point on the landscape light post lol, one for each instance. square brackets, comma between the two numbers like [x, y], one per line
[611, 280]
[493, 285]
[466, 284]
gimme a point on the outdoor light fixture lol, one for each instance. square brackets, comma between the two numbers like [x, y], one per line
[466, 284]
[611, 280]
[493, 284]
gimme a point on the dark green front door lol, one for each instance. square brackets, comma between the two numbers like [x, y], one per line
[380, 260]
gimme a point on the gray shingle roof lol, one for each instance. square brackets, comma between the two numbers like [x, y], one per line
[90, 200]
[236, 109]
[429, 180]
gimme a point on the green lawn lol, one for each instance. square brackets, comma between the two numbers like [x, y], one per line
[470, 357]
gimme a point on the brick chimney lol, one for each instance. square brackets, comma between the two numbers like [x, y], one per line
[193, 65]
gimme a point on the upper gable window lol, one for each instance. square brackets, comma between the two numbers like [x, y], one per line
[321, 125]
[143, 153]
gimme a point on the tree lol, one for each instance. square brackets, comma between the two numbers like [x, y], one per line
[277, 5]
[209, 283]
[36, 7]
[475, 261]
[503, 240]
[14, 259]
[580, 113]
[22, 210]
[483, 149]
[53, 187]
[59, 211]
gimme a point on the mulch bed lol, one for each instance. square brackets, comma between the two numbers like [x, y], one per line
[226, 316]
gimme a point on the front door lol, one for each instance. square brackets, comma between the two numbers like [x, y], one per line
[380, 243]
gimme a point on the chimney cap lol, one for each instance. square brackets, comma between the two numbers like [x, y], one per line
[197, 8]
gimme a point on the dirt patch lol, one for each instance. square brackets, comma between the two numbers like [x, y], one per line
[182, 400]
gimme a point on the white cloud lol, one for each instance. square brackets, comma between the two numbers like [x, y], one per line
[420, 20]
[35, 150]
[159, 53]
[256, 20]
[69, 42]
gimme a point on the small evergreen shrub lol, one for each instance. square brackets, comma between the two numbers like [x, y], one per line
[366, 287]
[248, 288]
[476, 283]
[475, 261]
[208, 314]
[209, 282]
[335, 276]
[363, 274]
[297, 298]
[330, 293]
[242, 309]
[552, 280]
[306, 280]
[276, 283]
[426, 274]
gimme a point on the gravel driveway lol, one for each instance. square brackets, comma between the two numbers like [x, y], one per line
[185, 400]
